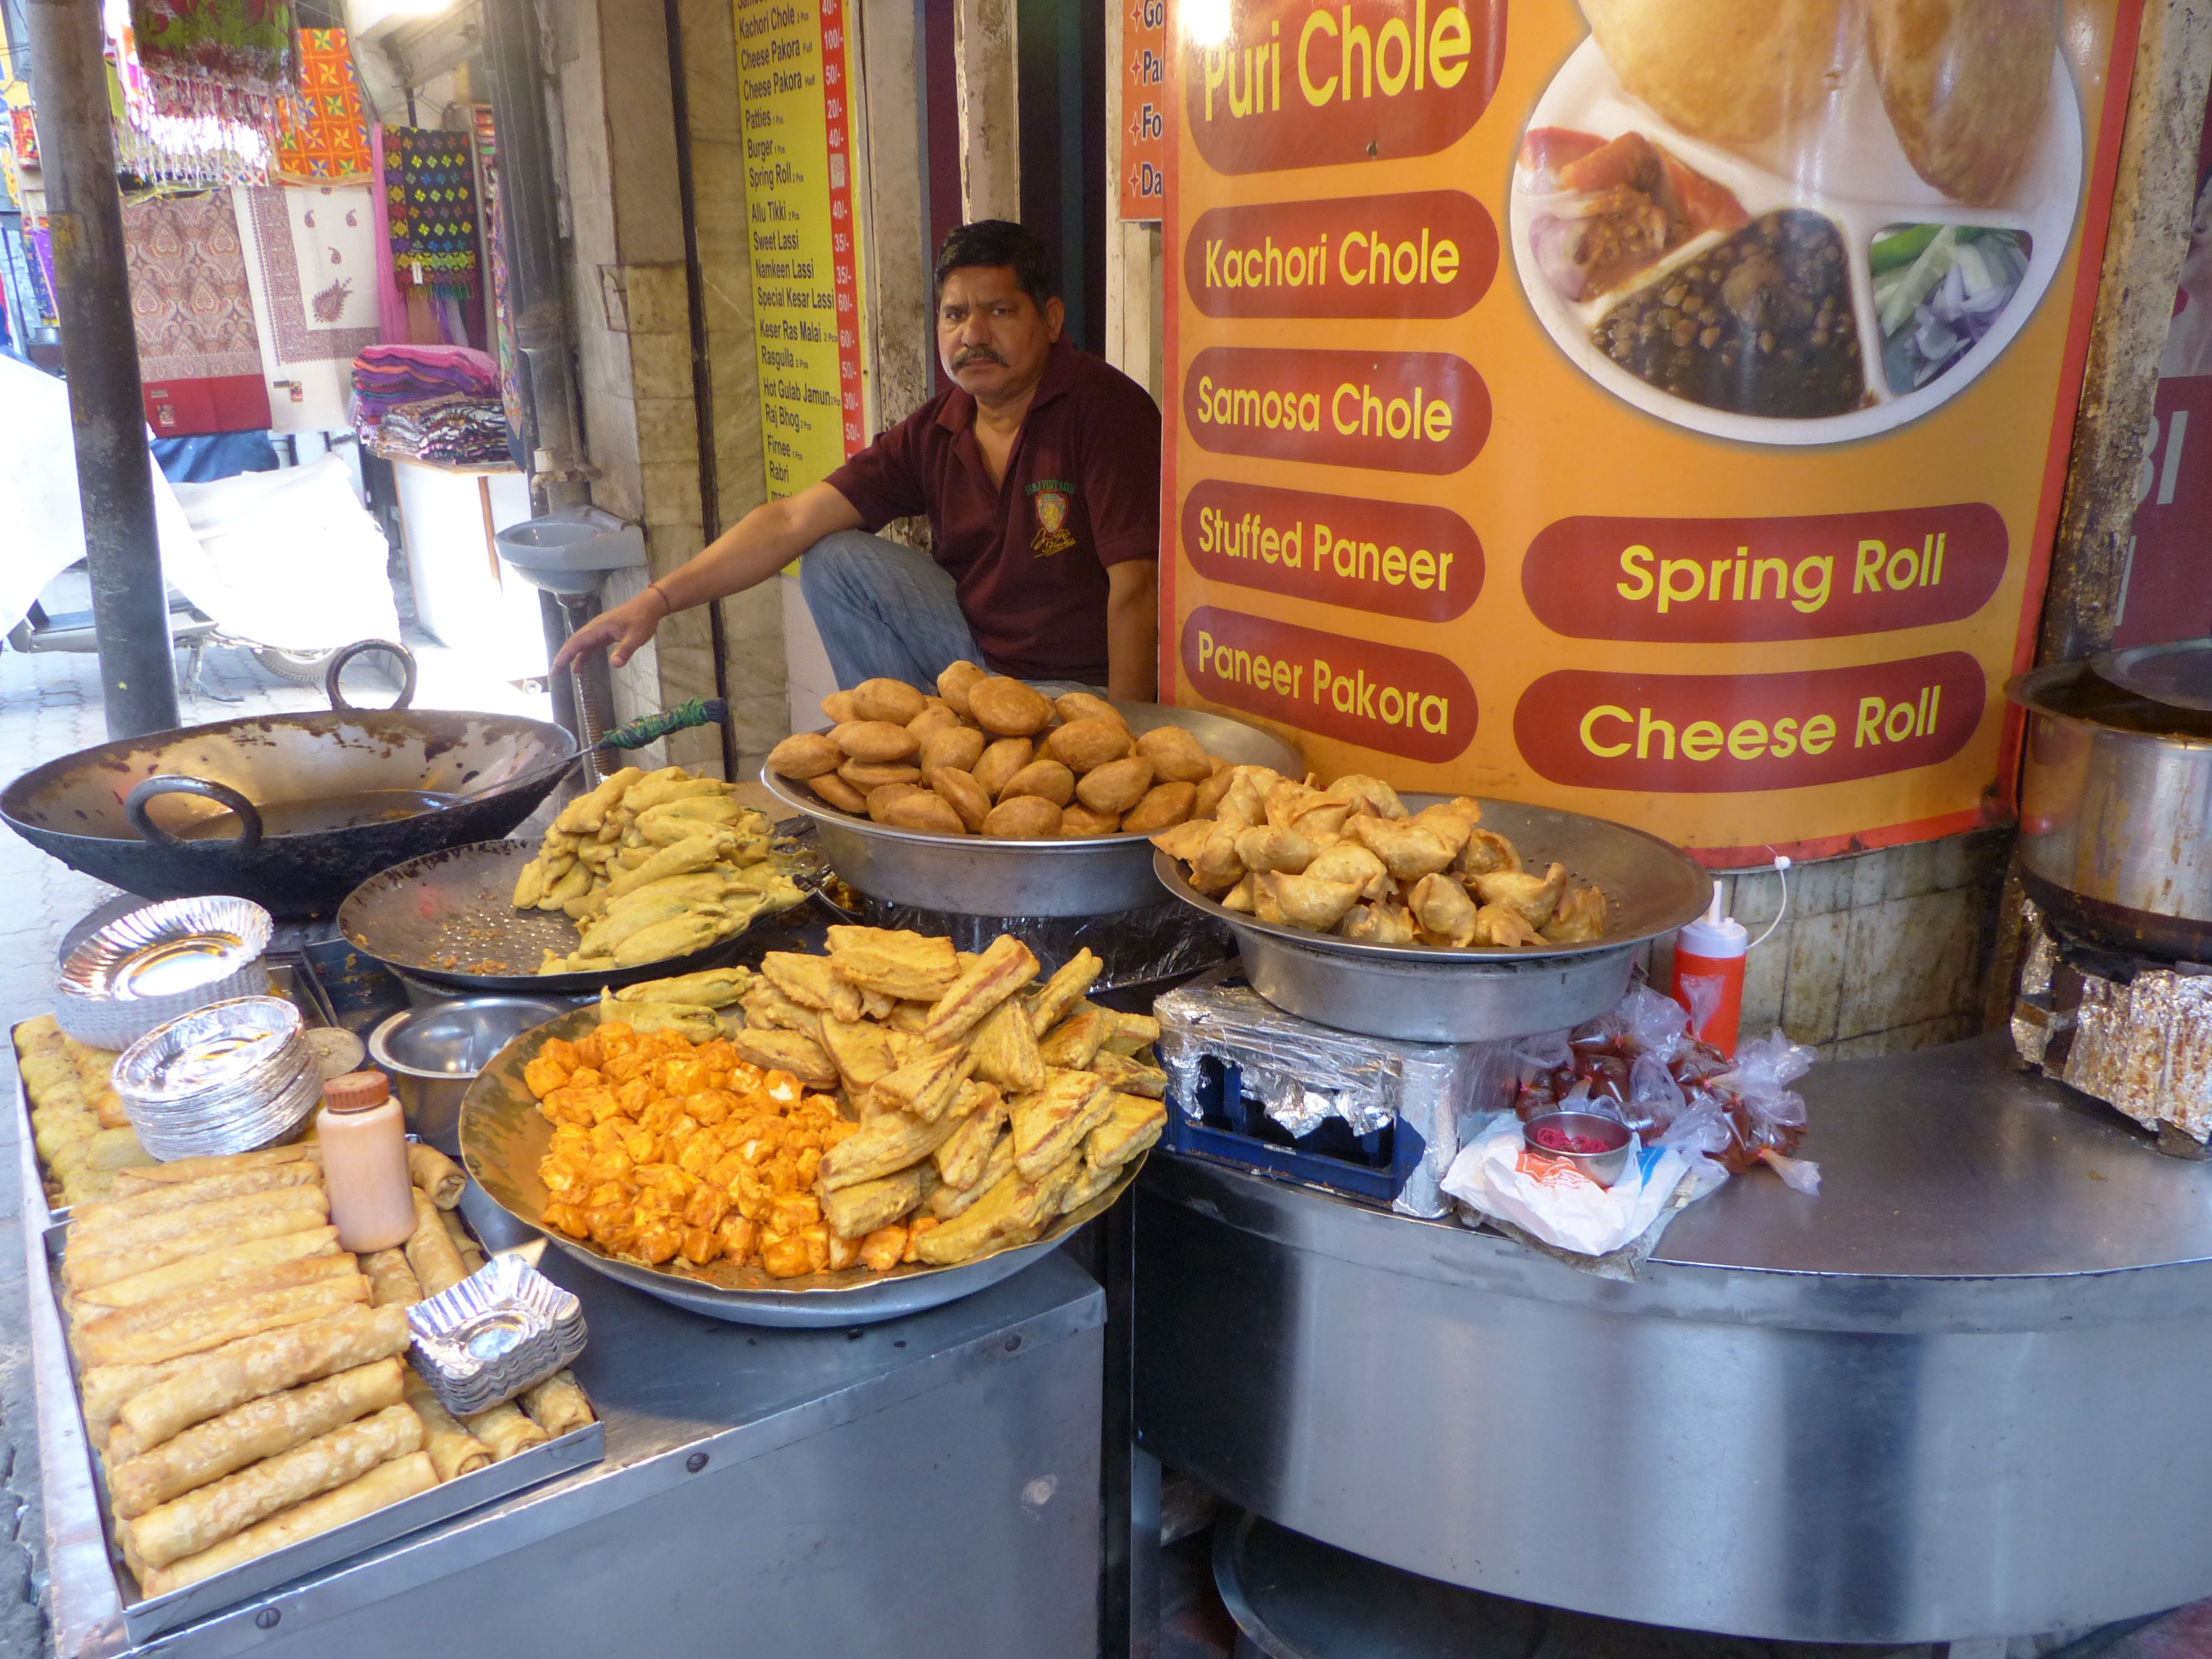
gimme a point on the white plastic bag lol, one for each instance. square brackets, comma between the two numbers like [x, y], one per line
[1500, 1176]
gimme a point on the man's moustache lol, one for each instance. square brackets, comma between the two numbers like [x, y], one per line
[978, 356]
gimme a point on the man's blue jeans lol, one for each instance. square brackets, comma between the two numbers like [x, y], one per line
[887, 610]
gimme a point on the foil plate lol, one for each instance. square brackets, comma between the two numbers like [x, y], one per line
[228, 1078]
[158, 963]
[504, 1328]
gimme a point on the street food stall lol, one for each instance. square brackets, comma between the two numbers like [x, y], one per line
[1339, 1310]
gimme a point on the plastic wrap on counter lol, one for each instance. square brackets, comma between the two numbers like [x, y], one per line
[1167, 940]
[1303, 1075]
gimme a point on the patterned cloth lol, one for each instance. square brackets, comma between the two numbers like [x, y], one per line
[323, 138]
[24, 126]
[192, 136]
[429, 189]
[40, 242]
[198, 355]
[455, 431]
[502, 321]
[188, 298]
[319, 258]
[217, 56]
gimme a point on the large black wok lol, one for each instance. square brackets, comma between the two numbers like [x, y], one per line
[298, 810]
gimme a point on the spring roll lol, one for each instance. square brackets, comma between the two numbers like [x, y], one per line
[133, 1232]
[294, 1210]
[261, 1428]
[201, 1519]
[557, 1405]
[177, 1170]
[210, 1384]
[471, 1252]
[97, 1324]
[233, 1263]
[210, 1327]
[387, 1484]
[105, 1389]
[438, 1175]
[392, 1282]
[453, 1450]
[88, 1222]
[430, 1250]
[506, 1430]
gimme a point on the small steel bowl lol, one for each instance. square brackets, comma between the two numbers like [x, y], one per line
[1604, 1168]
[159, 963]
[433, 1053]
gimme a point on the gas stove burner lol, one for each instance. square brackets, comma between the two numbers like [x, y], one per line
[2135, 1032]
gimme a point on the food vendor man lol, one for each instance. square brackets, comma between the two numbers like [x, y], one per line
[1039, 472]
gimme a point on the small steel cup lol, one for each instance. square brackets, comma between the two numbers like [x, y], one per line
[1604, 1168]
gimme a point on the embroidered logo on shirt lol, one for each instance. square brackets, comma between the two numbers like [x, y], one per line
[1050, 498]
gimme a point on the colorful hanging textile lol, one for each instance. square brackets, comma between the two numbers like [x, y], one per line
[324, 138]
[23, 125]
[317, 257]
[40, 242]
[429, 189]
[502, 317]
[391, 309]
[199, 358]
[195, 149]
[232, 59]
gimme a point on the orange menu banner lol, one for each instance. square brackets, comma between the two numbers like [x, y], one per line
[1144, 107]
[1653, 409]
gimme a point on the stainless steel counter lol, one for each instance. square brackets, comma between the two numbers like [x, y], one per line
[1957, 1394]
[926, 1486]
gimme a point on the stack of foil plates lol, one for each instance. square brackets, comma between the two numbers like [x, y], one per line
[504, 1328]
[228, 1078]
[159, 963]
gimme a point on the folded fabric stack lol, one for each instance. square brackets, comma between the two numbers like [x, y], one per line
[453, 430]
[453, 390]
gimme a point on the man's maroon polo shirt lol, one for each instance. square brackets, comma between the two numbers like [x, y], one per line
[1029, 556]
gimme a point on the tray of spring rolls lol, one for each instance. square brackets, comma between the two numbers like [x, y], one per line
[249, 1392]
[839, 1138]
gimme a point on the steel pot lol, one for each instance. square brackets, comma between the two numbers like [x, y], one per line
[128, 812]
[432, 1054]
[2116, 813]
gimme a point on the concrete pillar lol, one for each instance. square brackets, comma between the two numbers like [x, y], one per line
[990, 110]
[896, 241]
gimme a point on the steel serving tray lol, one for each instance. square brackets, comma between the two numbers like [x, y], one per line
[973, 875]
[1430, 994]
[146, 1617]
[504, 1135]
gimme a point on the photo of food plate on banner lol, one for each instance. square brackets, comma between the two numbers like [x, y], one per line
[1655, 409]
[1793, 224]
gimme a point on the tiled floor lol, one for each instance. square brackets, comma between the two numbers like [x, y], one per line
[50, 705]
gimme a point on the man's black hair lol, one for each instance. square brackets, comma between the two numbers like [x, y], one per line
[1000, 242]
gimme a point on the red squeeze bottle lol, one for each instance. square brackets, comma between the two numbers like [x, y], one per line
[1709, 958]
